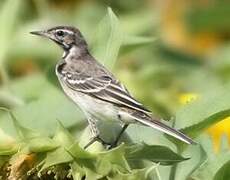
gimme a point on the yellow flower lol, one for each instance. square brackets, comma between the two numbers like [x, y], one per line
[218, 130]
[187, 97]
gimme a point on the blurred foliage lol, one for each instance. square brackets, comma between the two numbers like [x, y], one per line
[166, 52]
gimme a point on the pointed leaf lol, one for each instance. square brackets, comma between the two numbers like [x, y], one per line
[223, 173]
[57, 156]
[214, 161]
[42, 144]
[198, 158]
[60, 155]
[116, 157]
[155, 153]
[77, 152]
[6, 149]
[8, 146]
[108, 39]
[91, 175]
[135, 174]
[62, 136]
[199, 115]
[77, 171]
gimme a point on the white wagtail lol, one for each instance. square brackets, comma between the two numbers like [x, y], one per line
[95, 90]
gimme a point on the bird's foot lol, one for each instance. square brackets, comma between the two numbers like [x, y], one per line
[111, 146]
[98, 139]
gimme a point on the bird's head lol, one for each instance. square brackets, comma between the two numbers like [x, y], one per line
[64, 36]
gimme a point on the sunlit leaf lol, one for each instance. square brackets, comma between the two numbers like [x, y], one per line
[44, 105]
[77, 171]
[91, 175]
[108, 39]
[116, 157]
[41, 144]
[8, 145]
[63, 136]
[207, 105]
[8, 149]
[77, 152]
[194, 118]
[34, 140]
[60, 155]
[135, 174]
[57, 156]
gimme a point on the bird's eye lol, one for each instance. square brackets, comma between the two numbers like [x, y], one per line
[60, 33]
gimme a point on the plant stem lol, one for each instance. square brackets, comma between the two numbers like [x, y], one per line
[172, 174]
[4, 75]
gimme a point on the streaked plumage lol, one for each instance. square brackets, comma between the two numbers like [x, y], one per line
[94, 89]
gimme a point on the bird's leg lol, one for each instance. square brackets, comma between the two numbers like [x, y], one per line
[94, 139]
[114, 144]
[95, 134]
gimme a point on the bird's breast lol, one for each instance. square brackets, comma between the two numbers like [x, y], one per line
[88, 104]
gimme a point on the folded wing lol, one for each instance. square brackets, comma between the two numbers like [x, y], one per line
[104, 88]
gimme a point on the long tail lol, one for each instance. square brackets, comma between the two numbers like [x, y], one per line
[149, 121]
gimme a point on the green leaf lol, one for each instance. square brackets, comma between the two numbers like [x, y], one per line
[77, 171]
[155, 153]
[57, 156]
[43, 105]
[60, 155]
[78, 153]
[135, 174]
[8, 17]
[210, 18]
[8, 146]
[214, 160]
[185, 169]
[22, 132]
[137, 40]
[8, 100]
[207, 104]
[62, 136]
[91, 175]
[3, 160]
[8, 149]
[195, 130]
[139, 22]
[34, 140]
[41, 144]
[209, 109]
[223, 173]
[108, 39]
[112, 157]
[132, 42]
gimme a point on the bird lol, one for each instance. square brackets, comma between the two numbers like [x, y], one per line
[97, 92]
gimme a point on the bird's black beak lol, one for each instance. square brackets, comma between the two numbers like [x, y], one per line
[39, 33]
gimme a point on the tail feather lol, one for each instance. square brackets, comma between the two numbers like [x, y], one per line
[146, 120]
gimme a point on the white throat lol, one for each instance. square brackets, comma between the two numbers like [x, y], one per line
[73, 52]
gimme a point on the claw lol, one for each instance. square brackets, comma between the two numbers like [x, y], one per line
[111, 146]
